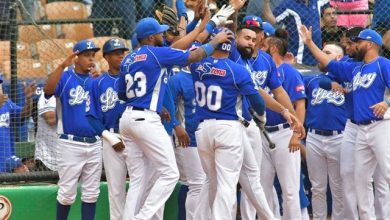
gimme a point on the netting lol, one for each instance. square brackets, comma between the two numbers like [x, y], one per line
[36, 36]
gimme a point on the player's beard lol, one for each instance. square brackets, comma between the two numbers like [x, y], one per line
[360, 53]
[246, 52]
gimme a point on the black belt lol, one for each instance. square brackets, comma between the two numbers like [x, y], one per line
[366, 122]
[138, 108]
[89, 140]
[277, 127]
[325, 132]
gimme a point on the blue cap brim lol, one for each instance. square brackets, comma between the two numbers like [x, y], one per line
[94, 49]
[163, 28]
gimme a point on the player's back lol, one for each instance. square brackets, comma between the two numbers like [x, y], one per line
[144, 75]
[219, 86]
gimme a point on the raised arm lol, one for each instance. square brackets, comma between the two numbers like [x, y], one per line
[55, 76]
[267, 12]
[306, 35]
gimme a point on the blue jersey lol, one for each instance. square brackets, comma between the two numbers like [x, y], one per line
[144, 75]
[183, 93]
[219, 87]
[9, 112]
[72, 93]
[236, 57]
[292, 14]
[292, 82]
[326, 109]
[369, 82]
[105, 104]
[264, 72]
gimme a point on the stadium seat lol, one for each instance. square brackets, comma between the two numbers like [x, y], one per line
[49, 50]
[23, 50]
[99, 42]
[5, 53]
[66, 10]
[52, 65]
[26, 69]
[77, 32]
[31, 33]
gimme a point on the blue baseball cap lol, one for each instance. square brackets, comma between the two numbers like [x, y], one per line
[12, 162]
[369, 35]
[269, 30]
[114, 44]
[149, 26]
[83, 46]
[253, 21]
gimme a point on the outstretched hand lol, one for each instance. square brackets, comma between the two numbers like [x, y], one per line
[306, 34]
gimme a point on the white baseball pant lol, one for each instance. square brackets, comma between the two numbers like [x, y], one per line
[382, 196]
[147, 142]
[116, 171]
[76, 161]
[195, 177]
[219, 146]
[323, 161]
[252, 194]
[372, 149]
[279, 161]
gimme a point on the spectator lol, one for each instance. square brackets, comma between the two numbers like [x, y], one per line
[330, 32]
[10, 112]
[292, 14]
[14, 164]
[348, 20]
[46, 139]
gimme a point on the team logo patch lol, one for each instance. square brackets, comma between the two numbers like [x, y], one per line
[320, 95]
[78, 95]
[140, 57]
[364, 81]
[259, 77]
[218, 72]
[299, 88]
[5, 208]
[4, 120]
[108, 99]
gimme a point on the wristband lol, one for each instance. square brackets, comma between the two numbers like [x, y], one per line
[283, 111]
[210, 26]
[208, 49]
[387, 102]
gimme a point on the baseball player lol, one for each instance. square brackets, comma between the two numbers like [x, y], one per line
[369, 80]
[142, 84]
[104, 112]
[181, 86]
[79, 147]
[281, 162]
[219, 87]
[347, 162]
[46, 139]
[323, 142]
[10, 112]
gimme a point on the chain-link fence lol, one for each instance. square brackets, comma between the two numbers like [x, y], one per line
[36, 36]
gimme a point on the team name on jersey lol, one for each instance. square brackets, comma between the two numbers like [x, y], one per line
[319, 95]
[4, 120]
[259, 77]
[364, 81]
[78, 95]
[108, 99]
[206, 69]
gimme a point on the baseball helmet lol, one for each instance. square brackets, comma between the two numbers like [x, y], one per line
[114, 44]
[227, 46]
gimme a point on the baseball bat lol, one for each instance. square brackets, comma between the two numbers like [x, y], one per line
[255, 116]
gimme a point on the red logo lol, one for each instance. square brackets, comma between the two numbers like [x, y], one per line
[5, 208]
[218, 72]
[299, 88]
[140, 57]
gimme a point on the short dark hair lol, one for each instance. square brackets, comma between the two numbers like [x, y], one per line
[280, 41]
[353, 32]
